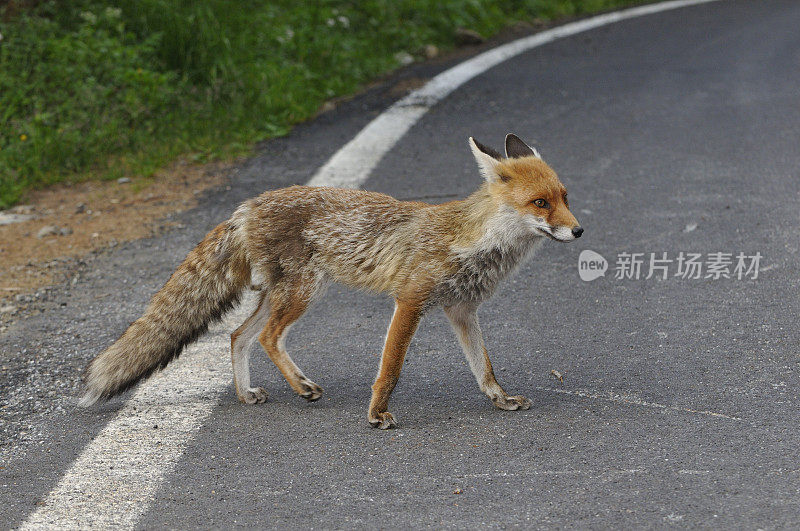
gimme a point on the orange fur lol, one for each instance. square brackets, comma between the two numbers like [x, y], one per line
[291, 243]
[404, 324]
[530, 179]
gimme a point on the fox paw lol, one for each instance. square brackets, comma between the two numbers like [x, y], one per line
[511, 403]
[311, 391]
[383, 421]
[254, 395]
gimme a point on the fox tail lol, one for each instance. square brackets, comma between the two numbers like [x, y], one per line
[207, 284]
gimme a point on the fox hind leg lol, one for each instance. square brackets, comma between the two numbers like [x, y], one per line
[241, 341]
[288, 301]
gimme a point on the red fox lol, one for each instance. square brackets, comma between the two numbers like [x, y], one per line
[291, 243]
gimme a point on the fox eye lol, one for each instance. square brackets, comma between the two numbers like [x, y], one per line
[541, 203]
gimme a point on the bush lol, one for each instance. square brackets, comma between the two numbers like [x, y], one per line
[70, 98]
[101, 88]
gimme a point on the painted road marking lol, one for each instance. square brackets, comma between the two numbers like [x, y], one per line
[351, 165]
[632, 401]
[114, 480]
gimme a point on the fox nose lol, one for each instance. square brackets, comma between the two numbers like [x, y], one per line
[577, 231]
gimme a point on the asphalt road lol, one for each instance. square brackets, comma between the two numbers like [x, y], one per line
[676, 132]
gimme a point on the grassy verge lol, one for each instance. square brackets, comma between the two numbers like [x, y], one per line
[101, 89]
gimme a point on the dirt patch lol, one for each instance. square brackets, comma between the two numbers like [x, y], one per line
[66, 222]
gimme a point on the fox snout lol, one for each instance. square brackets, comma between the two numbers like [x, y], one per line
[566, 234]
[564, 226]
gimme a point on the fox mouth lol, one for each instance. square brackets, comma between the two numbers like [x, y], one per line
[550, 235]
[565, 235]
[554, 238]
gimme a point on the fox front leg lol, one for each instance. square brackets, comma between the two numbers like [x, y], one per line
[464, 319]
[404, 323]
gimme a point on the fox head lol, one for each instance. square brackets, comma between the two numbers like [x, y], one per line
[524, 182]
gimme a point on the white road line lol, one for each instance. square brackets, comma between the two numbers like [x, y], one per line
[352, 164]
[114, 480]
[633, 401]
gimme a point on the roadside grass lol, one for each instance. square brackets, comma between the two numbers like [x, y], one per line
[97, 89]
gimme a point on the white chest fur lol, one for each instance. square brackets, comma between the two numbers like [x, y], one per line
[507, 240]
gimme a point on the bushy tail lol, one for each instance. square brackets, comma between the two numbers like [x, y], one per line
[206, 285]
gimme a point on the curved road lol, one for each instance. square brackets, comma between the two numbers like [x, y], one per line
[675, 133]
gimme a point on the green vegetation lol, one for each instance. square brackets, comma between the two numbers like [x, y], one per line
[101, 88]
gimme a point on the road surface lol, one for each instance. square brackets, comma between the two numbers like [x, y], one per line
[675, 133]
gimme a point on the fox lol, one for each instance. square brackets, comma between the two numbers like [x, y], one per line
[290, 244]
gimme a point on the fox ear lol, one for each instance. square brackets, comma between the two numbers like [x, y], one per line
[487, 160]
[516, 148]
